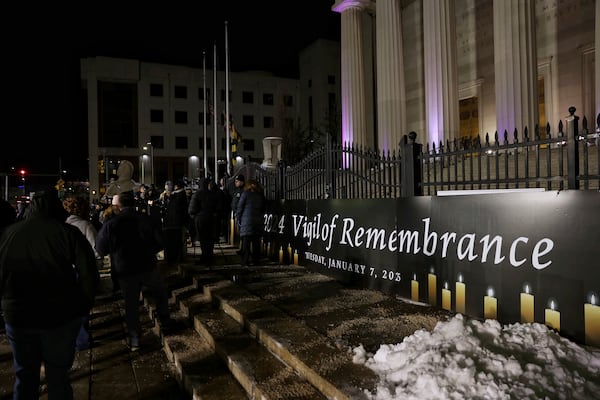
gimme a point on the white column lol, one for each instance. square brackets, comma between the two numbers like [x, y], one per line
[354, 126]
[515, 67]
[597, 64]
[441, 79]
[391, 100]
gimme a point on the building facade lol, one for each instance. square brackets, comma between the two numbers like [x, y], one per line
[169, 121]
[461, 68]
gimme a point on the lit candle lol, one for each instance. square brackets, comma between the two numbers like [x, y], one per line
[290, 252]
[295, 257]
[490, 305]
[591, 313]
[414, 289]
[527, 308]
[280, 255]
[231, 230]
[446, 295]
[431, 280]
[460, 295]
[553, 316]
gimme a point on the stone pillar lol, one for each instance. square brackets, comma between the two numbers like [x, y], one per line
[391, 100]
[272, 151]
[354, 125]
[515, 67]
[597, 64]
[441, 77]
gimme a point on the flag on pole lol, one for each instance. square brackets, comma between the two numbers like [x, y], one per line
[236, 139]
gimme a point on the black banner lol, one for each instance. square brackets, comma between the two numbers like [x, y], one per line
[509, 256]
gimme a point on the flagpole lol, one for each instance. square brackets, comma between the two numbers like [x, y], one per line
[205, 115]
[227, 123]
[215, 108]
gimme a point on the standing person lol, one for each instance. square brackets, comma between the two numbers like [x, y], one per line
[238, 189]
[175, 220]
[78, 209]
[48, 280]
[249, 214]
[8, 214]
[132, 241]
[224, 215]
[204, 208]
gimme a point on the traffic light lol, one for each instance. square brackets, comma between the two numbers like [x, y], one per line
[22, 172]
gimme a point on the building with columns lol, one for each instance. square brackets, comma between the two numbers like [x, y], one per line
[451, 69]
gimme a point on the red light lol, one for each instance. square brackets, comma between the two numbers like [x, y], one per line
[22, 172]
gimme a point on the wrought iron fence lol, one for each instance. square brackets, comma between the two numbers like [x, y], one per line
[555, 161]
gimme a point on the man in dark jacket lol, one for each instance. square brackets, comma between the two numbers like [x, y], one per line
[175, 221]
[132, 240]
[249, 215]
[48, 279]
[204, 208]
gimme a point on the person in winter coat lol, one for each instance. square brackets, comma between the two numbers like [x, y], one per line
[175, 220]
[249, 216]
[132, 240]
[78, 209]
[205, 206]
[48, 281]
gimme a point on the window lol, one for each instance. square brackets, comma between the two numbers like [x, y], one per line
[268, 122]
[268, 99]
[248, 144]
[180, 92]
[181, 142]
[156, 116]
[156, 90]
[310, 112]
[223, 144]
[201, 118]
[289, 124]
[200, 96]
[248, 97]
[248, 121]
[181, 117]
[331, 79]
[288, 101]
[158, 142]
[332, 105]
[223, 95]
[208, 144]
[117, 114]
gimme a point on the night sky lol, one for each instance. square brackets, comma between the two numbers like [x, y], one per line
[42, 54]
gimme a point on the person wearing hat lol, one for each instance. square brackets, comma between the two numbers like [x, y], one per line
[238, 189]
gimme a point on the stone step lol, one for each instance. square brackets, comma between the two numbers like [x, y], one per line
[240, 358]
[258, 371]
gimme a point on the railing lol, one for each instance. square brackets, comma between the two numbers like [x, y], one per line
[566, 159]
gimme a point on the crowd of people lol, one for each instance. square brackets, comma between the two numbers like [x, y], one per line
[52, 250]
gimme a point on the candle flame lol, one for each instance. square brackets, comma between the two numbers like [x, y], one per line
[460, 278]
[490, 292]
[552, 304]
[445, 285]
[527, 289]
[593, 299]
[414, 277]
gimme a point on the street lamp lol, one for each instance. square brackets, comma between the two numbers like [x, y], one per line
[151, 160]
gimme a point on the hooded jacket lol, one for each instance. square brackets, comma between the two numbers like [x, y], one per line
[48, 272]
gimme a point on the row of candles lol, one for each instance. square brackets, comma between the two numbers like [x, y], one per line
[292, 253]
[490, 306]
